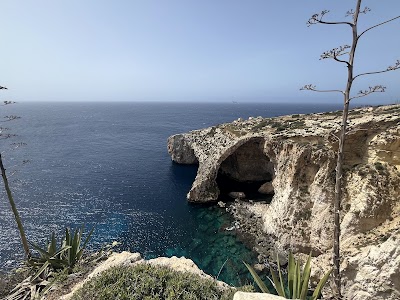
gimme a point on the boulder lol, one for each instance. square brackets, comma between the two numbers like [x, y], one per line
[237, 195]
[255, 296]
[266, 189]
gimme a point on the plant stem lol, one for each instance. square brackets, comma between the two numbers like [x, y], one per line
[14, 209]
[340, 155]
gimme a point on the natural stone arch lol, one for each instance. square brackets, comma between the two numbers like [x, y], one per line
[246, 168]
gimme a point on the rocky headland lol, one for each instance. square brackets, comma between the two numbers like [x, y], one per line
[285, 167]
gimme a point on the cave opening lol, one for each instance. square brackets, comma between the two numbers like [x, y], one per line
[247, 171]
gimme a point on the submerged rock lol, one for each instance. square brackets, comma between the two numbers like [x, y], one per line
[296, 156]
[221, 204]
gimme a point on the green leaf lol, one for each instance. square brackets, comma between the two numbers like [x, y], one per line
[320, 285]
[74, 247]
[87, 238]
[298, 275]
[277, 284]
[41, 270]
[280, 277]
[53, 245]
[291, 271]
[306, 278]
[42, 252]
[60, 251]
[257, 279]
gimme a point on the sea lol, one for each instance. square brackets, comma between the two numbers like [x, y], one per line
[106, 166]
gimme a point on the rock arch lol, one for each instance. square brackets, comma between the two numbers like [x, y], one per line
[246, 169]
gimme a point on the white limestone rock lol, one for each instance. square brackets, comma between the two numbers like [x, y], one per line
[255, 296]
[300, 157]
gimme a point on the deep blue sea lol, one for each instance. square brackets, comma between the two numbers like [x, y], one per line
[106, 165]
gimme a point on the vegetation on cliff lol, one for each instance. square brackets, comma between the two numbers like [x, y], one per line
[144, 281]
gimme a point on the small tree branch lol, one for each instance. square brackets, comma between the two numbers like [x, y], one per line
[335, 136]
[310, 87]
[377, 26]
[352, 13]
[317, 19]
[371, 89]
[394, 67]
[335, 53]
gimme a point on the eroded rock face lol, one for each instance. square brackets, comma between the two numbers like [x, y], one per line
[180, 151]
[299, 154]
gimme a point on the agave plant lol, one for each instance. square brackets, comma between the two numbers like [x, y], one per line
[54, 259]
[73, 243]
[296, 285]
[48, 259]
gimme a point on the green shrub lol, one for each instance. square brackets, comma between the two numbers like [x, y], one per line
[144, 281]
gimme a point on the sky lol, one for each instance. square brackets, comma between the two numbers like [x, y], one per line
[187, 50]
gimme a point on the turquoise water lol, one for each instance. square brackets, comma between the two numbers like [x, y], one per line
[223, 253]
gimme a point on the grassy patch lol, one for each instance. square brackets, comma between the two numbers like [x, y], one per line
[233, 130]
[299, 124]
[391, 110]
[334, 113]
[147, 282]
[212, 131]
[261, 125]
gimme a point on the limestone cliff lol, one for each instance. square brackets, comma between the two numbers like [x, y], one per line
[294, 157]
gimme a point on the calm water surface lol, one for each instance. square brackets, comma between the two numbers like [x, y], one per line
[106, 165]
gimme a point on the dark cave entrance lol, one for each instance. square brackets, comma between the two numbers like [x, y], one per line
[247, 170]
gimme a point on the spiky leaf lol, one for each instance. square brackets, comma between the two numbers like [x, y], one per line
[291, 274]
[305, 278]
[277, 283]
[320, 285]
[280, 277]
[40, 271]
[257, 279]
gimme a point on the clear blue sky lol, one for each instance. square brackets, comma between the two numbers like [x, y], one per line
[186, 50]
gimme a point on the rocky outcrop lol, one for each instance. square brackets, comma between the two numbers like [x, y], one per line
[293, 158]
[180, 150]
[255, 296]
[125, 258]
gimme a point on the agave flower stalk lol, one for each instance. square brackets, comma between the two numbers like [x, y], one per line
[14, 209]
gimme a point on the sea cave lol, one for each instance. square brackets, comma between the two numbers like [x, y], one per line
[247, 170]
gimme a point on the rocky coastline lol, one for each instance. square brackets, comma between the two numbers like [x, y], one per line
[294, 156]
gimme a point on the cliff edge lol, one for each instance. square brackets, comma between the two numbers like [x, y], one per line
[292, 159]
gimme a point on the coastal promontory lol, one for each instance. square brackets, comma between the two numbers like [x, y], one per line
[285, 167]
